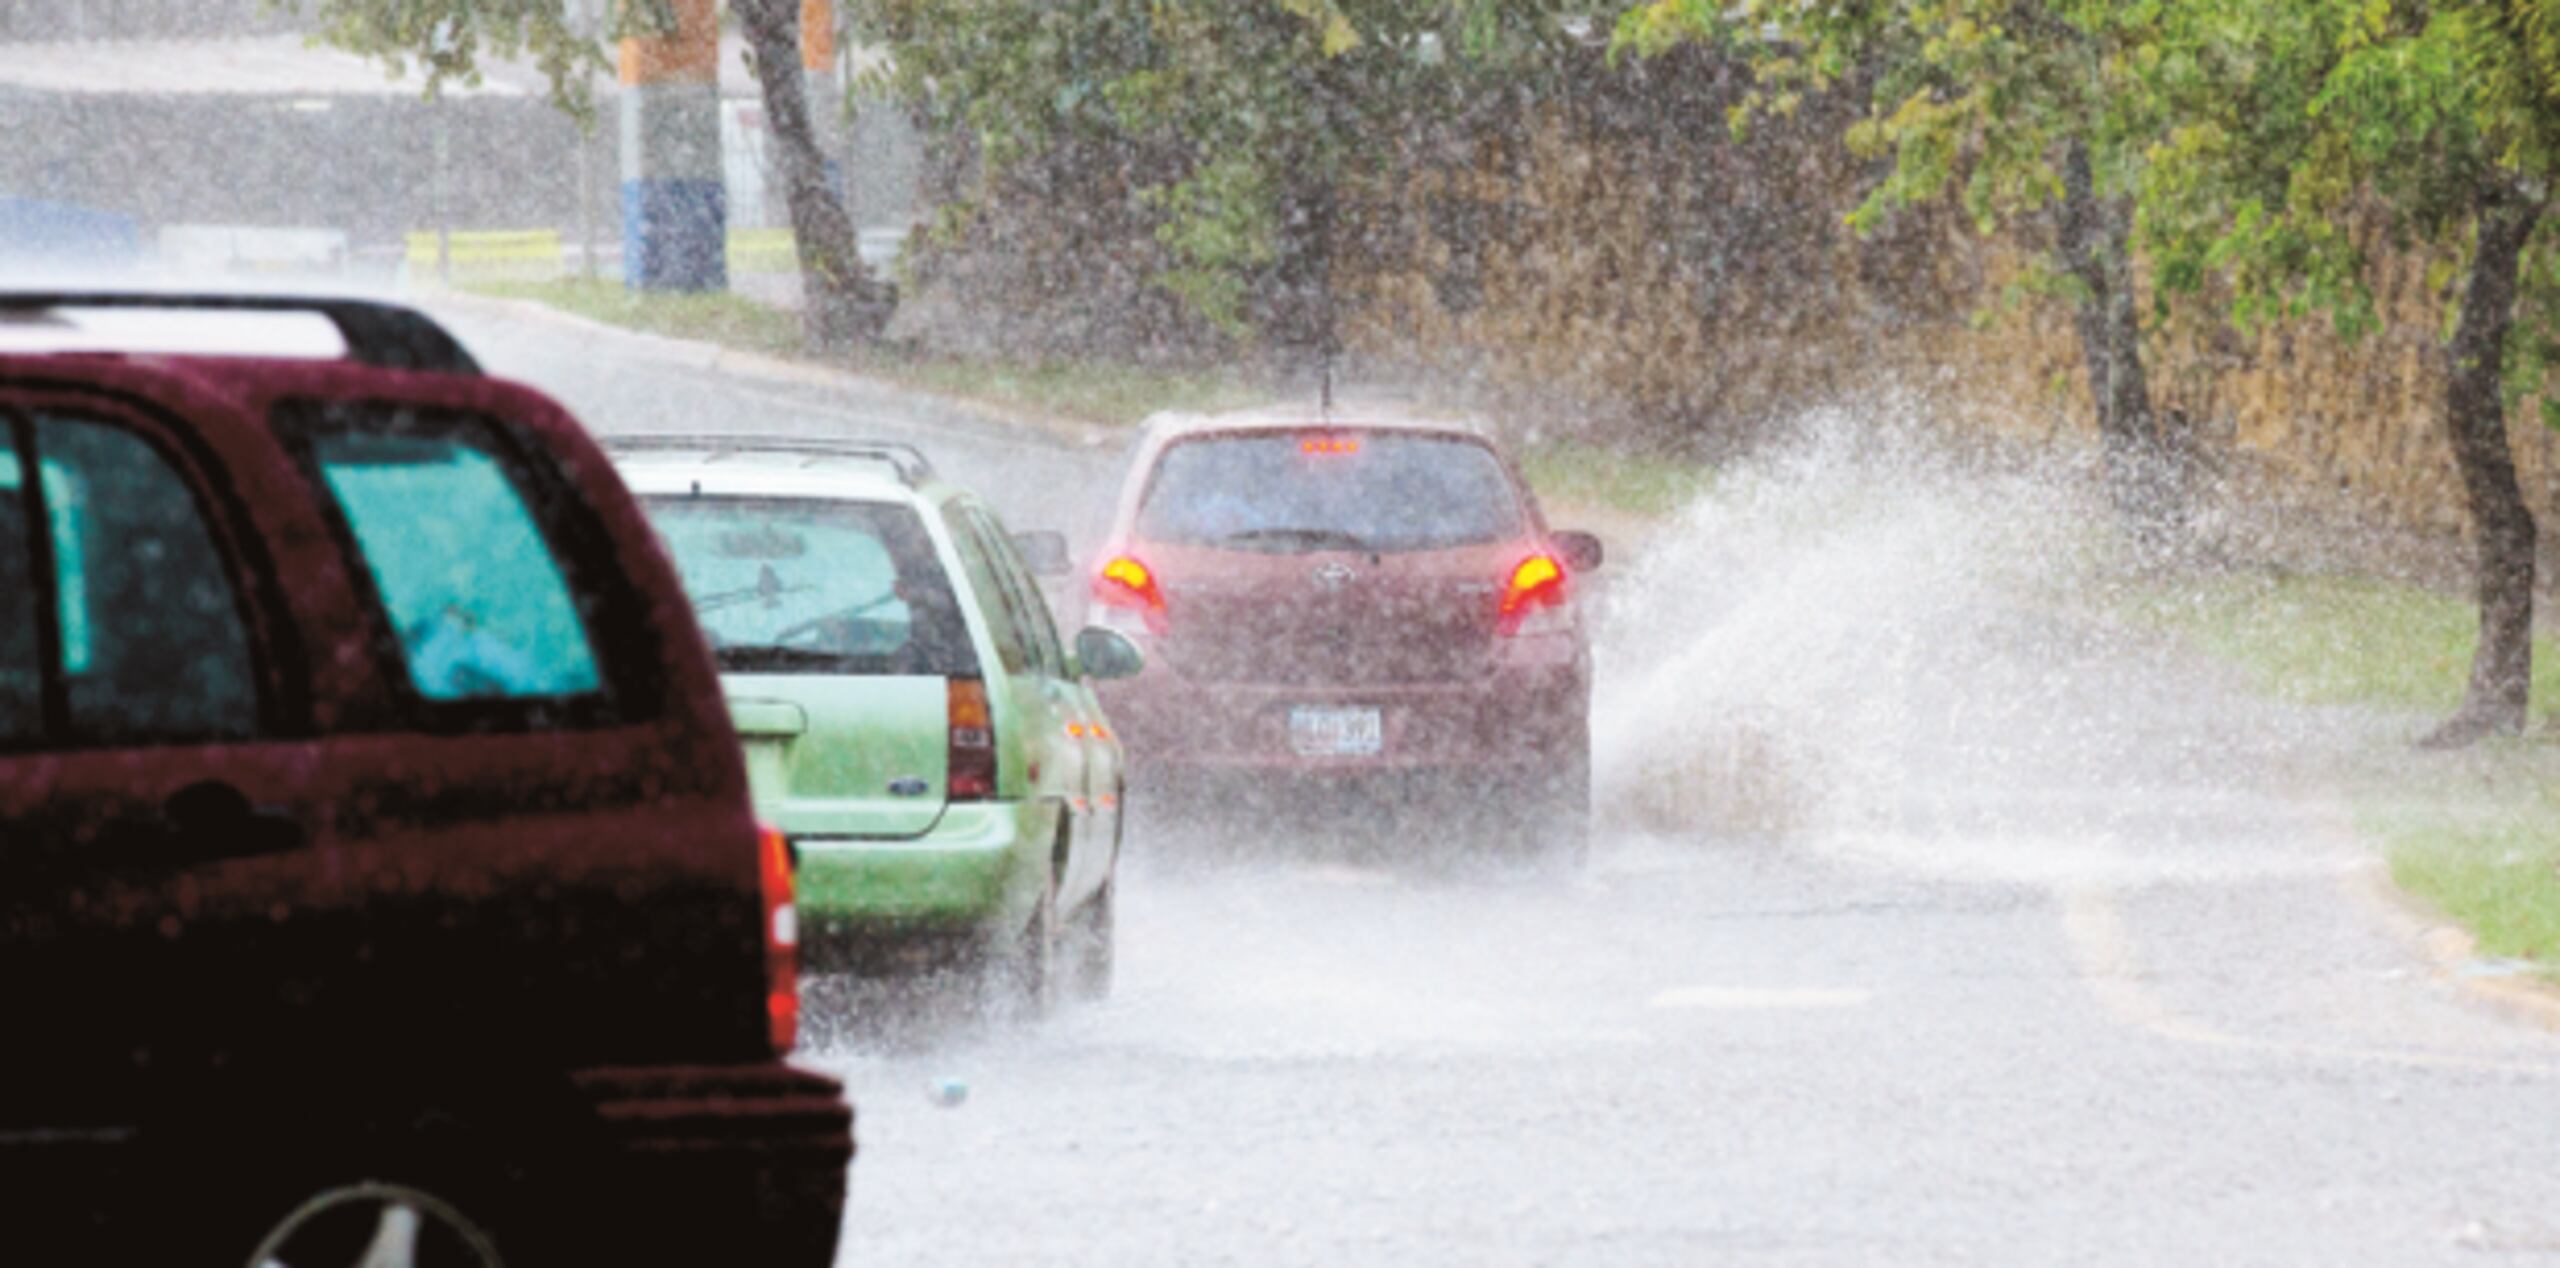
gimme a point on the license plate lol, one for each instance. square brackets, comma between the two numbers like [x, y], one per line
[1317, 732]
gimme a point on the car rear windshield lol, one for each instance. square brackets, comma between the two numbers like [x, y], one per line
[785, 585]
[1284, 492]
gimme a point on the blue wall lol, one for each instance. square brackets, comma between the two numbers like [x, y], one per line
[33, 230]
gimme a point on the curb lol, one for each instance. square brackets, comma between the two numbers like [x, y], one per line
[995, 421]
[2451, 950]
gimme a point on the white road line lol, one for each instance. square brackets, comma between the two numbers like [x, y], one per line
[1758, 997]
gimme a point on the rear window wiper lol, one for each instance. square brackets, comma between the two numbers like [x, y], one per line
[1296, 536]
[769, 586]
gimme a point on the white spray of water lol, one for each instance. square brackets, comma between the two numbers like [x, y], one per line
[1866, 646]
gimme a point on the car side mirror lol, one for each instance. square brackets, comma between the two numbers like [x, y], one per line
[1044, 552]
[1103, 653]
[1581, 550]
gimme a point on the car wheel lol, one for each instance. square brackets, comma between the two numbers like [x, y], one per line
[370, 1222]
[1093, 936]
[1555, 826]
[421, 1187]
[1018, 973]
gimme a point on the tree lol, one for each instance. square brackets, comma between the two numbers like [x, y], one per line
[2438, 120]
[2032, 110]
[450, 38]
[1246, 121]
[842, 304]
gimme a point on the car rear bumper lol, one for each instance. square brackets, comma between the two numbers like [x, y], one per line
[774, 1113]
[744, 1160]
[1524, 714]
[727, 1163]
[979, 867]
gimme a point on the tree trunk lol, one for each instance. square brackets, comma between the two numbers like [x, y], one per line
[2148, 466]
[2502, 525]
[1308, 334]
[840, 304]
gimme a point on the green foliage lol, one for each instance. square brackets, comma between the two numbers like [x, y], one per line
[1228, 114]
[2313, 136]
[449, 39]
[1969, 99]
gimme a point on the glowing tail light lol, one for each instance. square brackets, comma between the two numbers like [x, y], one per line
[1536, 585]
[781, 939]
[1127, 584]
[970, 770]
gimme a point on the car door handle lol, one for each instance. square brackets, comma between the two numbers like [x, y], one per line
[210, 819]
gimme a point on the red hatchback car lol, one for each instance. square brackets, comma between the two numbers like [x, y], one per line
[1368, 601]
[378, 879]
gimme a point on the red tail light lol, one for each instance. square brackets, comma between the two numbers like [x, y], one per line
[970, 770]
[1126, 583]
[781, 940]
[1537, 584]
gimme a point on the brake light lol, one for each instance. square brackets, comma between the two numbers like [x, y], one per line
[1126, 583]
[1536, 585]
[1329, 444]
[781, 939]
[970, 770]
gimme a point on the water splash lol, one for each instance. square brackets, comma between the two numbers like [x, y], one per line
[1870, 644]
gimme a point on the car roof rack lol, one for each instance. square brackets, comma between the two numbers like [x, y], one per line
[377, 333]
[909, 462]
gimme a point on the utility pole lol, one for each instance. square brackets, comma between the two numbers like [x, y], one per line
[586, 146]
[443, 209]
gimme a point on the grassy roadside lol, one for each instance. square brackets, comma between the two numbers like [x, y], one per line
[1096, 394]
[2475, 833]
[1625, 484]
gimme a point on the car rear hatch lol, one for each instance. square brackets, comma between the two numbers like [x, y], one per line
[1330, 617]
[842, 756]
[837, 634]
[1329, 555]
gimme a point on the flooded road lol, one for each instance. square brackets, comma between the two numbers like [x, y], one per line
[1934, 921]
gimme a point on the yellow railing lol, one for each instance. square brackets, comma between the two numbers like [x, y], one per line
[536, 253]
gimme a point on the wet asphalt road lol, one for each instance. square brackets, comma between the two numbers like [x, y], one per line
[2065, 957]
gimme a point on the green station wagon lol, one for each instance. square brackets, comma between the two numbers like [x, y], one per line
[935, 757]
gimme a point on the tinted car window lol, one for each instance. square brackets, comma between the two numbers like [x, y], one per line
[474, 594]
[788, 585]
[21, 664]
[1283, 491]
[1022, 592]
[1016, 645]
[149, 631]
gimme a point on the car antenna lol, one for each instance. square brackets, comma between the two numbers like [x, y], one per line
[1324, 389]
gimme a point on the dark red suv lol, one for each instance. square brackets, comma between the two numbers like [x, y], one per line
[376, 861]
[1352, 600]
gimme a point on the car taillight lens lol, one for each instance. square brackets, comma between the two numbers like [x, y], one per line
[781, 939]
[970, 770]
[1535, 586]
[1126, 584]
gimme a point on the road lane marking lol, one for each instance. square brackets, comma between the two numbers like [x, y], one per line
[1758, 997]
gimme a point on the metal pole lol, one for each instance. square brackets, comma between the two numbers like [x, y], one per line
[444, 219]
[586, 144]
[588, 25]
